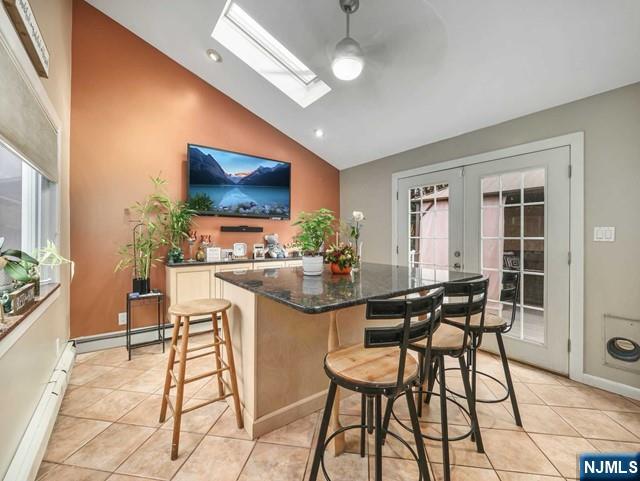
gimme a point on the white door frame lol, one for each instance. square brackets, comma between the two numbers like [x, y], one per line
[575, 142]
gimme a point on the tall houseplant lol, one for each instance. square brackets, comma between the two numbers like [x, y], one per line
[148, 236]
[315, 228]
[176, 222]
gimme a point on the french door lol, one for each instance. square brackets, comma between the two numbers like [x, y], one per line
[504, 215]
[430, 233]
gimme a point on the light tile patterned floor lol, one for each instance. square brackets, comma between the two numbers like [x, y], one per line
[108, 429]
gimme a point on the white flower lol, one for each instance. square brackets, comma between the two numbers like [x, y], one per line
[358, 216]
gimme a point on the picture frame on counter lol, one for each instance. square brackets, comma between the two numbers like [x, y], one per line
[258, 251]
[213, 254]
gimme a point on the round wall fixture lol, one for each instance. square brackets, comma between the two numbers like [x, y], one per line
[623, 349]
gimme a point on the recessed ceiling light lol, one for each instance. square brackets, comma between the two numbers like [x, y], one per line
[213, 55]
[319, 133]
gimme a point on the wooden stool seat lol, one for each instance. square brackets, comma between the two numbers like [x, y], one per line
[491, 322]
[370, 367]
[182, 314]
[199, 307]
[445, 338]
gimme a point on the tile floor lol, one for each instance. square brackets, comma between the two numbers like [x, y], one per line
[108, 429]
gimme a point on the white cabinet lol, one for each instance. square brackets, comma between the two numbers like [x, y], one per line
[186, 283]
[226, 268]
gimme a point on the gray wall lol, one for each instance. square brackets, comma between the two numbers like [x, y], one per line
[611, 123]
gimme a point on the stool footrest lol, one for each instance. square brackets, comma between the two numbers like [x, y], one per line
[206, 403]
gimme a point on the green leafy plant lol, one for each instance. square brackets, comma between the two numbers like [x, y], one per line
[200, 202]
[16, 263]
[343, 255]
[150, 236]
[176, 222]
[315, 229]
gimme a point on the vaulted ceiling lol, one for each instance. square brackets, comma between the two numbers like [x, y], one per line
[434, 69]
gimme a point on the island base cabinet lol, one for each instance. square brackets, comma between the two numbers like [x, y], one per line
[279, 356]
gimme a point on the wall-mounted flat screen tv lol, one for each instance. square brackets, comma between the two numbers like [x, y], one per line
[238, 185]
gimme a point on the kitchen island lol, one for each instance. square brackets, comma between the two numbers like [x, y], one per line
[283, 324]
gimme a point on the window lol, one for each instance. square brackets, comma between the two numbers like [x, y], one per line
[261, 51]
[28, 206]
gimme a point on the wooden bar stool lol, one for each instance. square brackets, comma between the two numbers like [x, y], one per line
[182, 314]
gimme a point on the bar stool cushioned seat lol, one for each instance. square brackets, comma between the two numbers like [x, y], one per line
[374, 367]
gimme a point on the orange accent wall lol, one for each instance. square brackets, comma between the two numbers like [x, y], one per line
[133, 111]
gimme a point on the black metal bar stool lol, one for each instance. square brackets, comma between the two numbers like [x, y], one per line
[466, 300]
[380, 367]
[493, 324]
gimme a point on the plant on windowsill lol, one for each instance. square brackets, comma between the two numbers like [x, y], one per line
[341, 258]
[46, 256]
[15, 265]
[315, 228]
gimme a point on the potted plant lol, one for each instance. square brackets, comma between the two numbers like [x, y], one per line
[315, 228]
[47, 256]
[148, 238]
[341, 258]
[176, 222]
[14, 266]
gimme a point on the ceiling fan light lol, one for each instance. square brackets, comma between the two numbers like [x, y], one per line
[348, 60]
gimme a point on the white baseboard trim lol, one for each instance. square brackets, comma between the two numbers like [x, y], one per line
[141, 334]
[612, 386]
[26, 462]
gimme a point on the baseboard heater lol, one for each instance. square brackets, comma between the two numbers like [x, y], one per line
[140, 334]
[26, 462]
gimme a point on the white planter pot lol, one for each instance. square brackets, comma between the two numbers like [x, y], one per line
[312, 265]
[5, 280]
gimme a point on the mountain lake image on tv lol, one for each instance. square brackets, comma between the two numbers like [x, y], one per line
[234, 184]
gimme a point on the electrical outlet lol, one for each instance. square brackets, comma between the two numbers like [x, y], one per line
[122, 318]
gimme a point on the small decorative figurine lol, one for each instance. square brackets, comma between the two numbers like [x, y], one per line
[274, 249]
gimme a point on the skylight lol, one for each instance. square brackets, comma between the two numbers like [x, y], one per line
[261, 51]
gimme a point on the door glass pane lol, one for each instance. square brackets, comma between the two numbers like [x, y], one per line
[533, 325]
[534, 255]
[511, 187]
[490, 221]
[534, 220]
[511, 221]
[414, 225]
[533, 290]
[513, 240]
[491, 254]
[534, 186]
[429, 226]
[490, 191]
[494, 284]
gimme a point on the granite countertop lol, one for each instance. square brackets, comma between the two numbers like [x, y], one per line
[234, 261]
[316, 294]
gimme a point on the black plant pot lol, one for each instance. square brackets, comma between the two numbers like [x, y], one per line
[142, 286]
